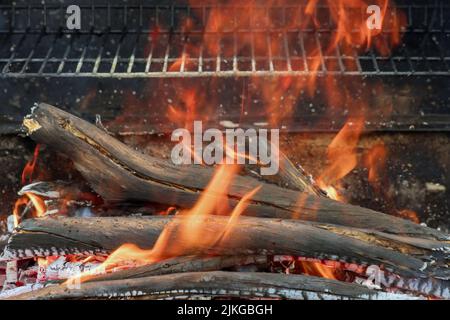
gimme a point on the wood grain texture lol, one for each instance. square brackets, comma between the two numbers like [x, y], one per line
[183, 264]
[119, 173]
[214, 285]
[260, 236]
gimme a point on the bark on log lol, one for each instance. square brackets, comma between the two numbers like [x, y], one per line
[68, 198]
[182, 264]
[215, 285]
[62, 236]
[3, 242]
[119, 173]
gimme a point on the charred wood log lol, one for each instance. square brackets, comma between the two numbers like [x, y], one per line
[55, 190]
[119, 173]
[72, 199]
[428, 286]
[289, 176]
[3, 242]
[87, 236]
[214, 285]
[183, 264]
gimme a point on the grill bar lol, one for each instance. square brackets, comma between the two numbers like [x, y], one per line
[20, 18]
[15, 66]
[144, 41]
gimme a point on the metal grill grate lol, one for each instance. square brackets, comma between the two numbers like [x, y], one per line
[148, 41]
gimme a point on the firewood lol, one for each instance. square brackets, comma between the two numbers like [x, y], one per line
[182, 264]
[74, 199]
[216, 284]
[96, 236]
[53, 190]
[119, 173]
[3, 242]
[422, 286]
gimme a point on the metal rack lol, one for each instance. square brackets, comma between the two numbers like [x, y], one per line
[143, 41]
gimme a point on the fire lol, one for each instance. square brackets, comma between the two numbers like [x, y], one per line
[352, 26]
[37, 202]
[332, 192]
[351, 30]
[342, 156]
[410, 215]
[195, 103]
[375, 162]
[17, 206]
[29, 170]
[189, 232]
[274, 99]
[278, 98]
[317, 269]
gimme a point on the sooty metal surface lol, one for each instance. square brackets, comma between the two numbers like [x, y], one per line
[136, 59]
[141, 40]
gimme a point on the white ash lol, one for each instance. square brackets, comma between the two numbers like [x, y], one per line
[435, 187]
[229, 124]
[11, 272]
[35, 188]
[10, 224]
[5, 294]
[61, 270]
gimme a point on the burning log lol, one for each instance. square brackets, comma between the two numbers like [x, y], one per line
[11, 294]
[119, 173]
[182, 264]
[97, 236]
[72, 199]
[217, 284]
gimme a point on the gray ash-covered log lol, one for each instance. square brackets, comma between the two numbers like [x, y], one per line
[210, 285]
[119, 173]
[87, 236]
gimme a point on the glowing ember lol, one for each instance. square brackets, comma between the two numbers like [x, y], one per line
[317, 269]
[409, 214]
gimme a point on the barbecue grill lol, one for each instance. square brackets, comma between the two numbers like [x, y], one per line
[131, 57]
[113, 39]
[140, 69]
[142, 44]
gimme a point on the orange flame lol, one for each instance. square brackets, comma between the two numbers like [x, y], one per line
[351, 31]
[375, 162]
[410, 215]
[27, 177]
[317, 269]
[38, 204]
[350, 35]
[342, 157]
[189, 231]
[16, 212]
[27, 174]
